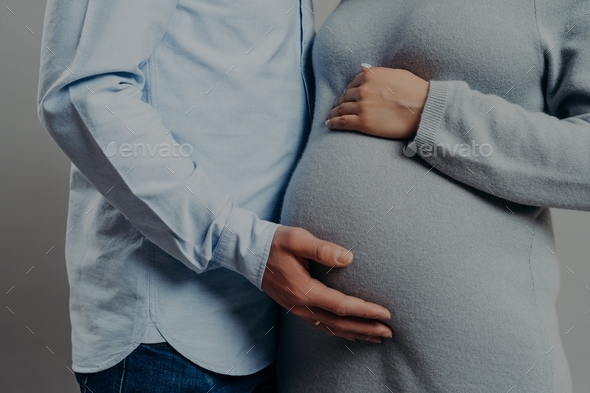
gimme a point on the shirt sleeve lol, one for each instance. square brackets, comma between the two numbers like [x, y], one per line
[537, 159]
[91, 94]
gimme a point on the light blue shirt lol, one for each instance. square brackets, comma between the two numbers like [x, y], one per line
[184, 120]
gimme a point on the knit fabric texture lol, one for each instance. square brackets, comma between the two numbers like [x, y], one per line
[456, 240]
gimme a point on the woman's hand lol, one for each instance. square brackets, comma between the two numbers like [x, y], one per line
[380, 101]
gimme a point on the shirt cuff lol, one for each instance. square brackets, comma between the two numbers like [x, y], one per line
[244, 244]
[432, 117]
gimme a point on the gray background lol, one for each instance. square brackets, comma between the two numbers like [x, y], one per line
[34, 324]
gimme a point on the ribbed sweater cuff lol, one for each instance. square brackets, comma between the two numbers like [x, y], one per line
[432, 117]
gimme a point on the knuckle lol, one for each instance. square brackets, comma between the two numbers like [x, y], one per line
[363, 91]
[363, 122]
[358, 336]
[340, 310]
[323, 252]
[362, 107]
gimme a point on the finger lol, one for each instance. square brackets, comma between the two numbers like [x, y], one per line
[347, 108]
[358, 80]
[345, 122]
[306, 245]
[340, 304]
[349, 336]
[350, 95]
[359, 326]
[332, 331]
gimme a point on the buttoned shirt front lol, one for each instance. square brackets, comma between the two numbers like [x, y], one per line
[184, 120]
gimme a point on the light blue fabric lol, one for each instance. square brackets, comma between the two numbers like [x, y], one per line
[183, 120]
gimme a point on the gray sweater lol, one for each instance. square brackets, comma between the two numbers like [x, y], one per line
[457, 240]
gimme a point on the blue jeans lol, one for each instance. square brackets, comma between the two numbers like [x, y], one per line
[159, 368]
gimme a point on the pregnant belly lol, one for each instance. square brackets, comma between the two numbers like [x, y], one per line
[408, 225]
[448, 261]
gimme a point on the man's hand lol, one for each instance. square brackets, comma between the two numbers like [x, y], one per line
[380, 101]
[289, 283]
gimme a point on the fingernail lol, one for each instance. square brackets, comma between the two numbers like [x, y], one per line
[327, 122]
[375, 340]
[343, 256]
[366, 65]
[387, 334]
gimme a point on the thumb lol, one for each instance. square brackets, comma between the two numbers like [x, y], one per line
[308, 246]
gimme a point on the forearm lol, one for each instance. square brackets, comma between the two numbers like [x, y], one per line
[502, 149]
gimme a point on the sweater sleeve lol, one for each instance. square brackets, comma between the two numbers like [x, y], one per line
[532, 158]
[91, 89]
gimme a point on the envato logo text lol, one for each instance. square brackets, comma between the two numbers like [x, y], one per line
[484, 150]
[164, 150]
